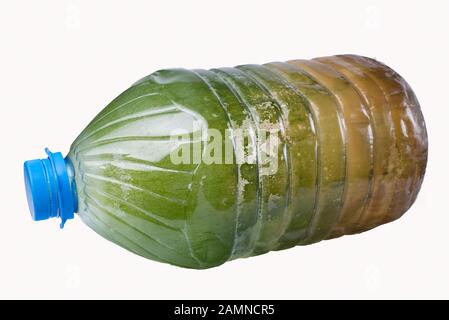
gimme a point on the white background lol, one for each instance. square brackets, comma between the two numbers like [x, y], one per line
[62, 61]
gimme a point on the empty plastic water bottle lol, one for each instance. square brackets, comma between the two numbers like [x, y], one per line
[198, 167]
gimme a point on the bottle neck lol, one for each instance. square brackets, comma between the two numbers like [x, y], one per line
[71, 175]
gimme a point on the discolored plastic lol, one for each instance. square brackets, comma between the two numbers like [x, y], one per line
[349, 152]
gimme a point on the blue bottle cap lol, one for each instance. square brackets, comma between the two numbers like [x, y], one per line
[51, 192]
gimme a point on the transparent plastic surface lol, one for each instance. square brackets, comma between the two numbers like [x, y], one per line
[350, 153]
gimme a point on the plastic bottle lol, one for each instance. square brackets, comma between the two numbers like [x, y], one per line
[198, 167]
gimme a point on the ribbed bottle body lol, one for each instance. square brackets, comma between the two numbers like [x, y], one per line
[198, 167]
